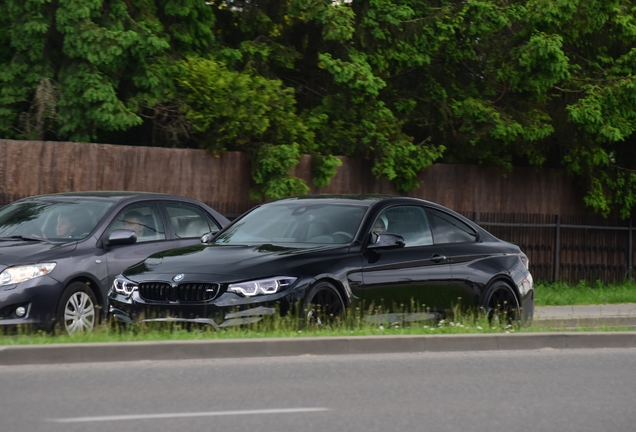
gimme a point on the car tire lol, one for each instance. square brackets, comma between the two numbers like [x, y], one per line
[501, 304]
[323, 304]
[77, 311]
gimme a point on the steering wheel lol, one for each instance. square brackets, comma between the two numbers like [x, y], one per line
[344, 233]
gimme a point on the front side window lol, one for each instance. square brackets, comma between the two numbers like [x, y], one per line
[449, 229]
[189, 221]
[144, 219]
[410, 222]
[51, 220]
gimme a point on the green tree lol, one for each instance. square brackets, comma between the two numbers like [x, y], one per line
[231, 110]
[402, 83]
[84, 68]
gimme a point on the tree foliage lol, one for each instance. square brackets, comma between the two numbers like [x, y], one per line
[109, 60]
[249, 112]
[403, 83]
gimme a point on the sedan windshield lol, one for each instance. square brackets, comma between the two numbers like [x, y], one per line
[50, 220]
[296, 223]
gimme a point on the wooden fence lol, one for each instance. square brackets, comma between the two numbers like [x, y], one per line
[519, 207]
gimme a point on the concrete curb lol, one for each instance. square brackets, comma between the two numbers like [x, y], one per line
[243, 348]
[585, 322]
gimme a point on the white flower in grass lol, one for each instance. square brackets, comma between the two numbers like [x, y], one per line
[480, 328]
[452, 324]
[381, 327]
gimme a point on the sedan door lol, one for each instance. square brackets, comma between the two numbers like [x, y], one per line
[416, 277]
[153, 238]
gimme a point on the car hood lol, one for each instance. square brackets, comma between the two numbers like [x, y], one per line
[226, 263]
[16, 252]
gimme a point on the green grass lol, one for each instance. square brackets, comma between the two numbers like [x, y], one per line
[561, 294]
[353, 325]
[277, 327]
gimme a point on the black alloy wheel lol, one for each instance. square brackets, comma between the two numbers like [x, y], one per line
[323, 304]
[77, 311]
[501, 305]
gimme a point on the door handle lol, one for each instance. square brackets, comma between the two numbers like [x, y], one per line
[437, 258]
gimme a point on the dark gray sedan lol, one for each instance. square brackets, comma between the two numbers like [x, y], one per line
[60, 253]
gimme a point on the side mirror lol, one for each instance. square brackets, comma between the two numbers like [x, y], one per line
[122, 237]
[207, 237]
[386, 241]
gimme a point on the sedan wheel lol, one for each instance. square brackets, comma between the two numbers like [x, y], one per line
[323, 305]
[77, 312]
[502, 306]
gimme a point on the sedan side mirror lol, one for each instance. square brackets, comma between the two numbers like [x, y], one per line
[122, 237]
[386, 241]
[207, 237]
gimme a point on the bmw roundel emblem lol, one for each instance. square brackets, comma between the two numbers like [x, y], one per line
[178, 278]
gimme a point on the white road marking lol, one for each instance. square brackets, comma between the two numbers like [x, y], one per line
[185, 415]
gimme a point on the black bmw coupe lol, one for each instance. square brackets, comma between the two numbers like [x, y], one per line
[324, 254]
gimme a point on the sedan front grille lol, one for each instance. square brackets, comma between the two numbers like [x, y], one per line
[184, 293]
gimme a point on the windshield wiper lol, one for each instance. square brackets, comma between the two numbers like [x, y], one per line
[19, 237]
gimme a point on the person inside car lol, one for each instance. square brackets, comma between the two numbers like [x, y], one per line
[72, 224]
[380, 225]
[133, 220]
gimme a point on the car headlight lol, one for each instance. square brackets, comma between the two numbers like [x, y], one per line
[17, 274]
[124, 286]
[262, 286]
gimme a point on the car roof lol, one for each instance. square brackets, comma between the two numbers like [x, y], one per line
[367, 199]
[371, 201]
[114, 196]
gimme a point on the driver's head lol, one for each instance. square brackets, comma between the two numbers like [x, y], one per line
[134, 221]
[65, 227]
[379, 226]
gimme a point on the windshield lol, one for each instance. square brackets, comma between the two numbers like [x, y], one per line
[51, 220]
[296, 222]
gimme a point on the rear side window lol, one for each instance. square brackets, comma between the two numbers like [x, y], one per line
[449, 229]
[189, 221]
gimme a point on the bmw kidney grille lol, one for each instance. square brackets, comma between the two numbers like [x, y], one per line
[185, 292]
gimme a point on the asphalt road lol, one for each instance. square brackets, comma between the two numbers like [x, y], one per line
[544, 390]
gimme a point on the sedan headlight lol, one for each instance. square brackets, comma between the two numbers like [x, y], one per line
[262, 286]
[124, 286]
[15, 275]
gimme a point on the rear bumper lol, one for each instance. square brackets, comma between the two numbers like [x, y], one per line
[526, 291]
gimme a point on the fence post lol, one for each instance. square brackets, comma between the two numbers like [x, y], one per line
[475, 217]
[630, 252]
[557, 233]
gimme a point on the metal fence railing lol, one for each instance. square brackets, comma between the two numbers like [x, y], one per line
[568, 248]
